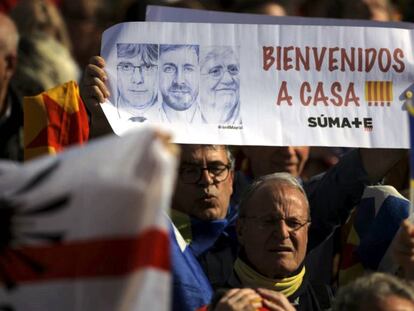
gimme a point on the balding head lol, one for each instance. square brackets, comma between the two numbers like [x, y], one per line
[9, 36]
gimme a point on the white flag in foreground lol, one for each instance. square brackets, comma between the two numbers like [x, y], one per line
[86, 230]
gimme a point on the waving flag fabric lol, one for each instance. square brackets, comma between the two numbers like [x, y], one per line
[53, 120]
[87, 230]
[373, 226]
[191, 288]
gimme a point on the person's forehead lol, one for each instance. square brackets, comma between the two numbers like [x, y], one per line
[201, 153]
[274, 196]
[221, 59]
[135, 60]
[180, 56]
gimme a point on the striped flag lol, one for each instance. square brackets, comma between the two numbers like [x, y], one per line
[378, 93]
[53, 120]
[373, 227]
[87, 230]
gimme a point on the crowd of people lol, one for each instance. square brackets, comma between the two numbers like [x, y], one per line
[266, 229]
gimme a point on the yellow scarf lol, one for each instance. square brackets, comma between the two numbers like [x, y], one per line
[251, 278]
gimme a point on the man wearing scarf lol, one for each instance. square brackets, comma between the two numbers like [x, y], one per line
[201, 208]
[272, 231]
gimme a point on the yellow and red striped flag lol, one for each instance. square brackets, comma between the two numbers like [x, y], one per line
[378, 93]
[54, 120]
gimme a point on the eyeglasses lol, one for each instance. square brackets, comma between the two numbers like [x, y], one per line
[192, 174]
[266, 223]
[217, 72]
[129, 68]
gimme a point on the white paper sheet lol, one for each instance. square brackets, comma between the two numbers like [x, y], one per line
[261, 84]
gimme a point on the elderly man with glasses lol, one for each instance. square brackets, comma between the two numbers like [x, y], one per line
[272, 231]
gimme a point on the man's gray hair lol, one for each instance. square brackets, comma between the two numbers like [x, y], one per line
[370, 288]
[229, 154]
[280, 178]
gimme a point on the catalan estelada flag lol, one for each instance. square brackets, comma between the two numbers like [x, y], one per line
[372, 228]
[378, 93]
[54, 120]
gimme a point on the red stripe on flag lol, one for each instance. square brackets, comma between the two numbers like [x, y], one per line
[63, 128]
[88, 259]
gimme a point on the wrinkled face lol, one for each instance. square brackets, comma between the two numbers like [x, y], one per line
[220, 87]
[208, 198]
[274, 231]
[179, 77]
[389, 303]
[137, 82]
[266, 160]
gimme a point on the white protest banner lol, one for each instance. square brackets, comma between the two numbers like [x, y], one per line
[87, 230]
[261, 84]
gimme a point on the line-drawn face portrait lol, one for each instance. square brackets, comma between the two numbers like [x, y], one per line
[220, 82]
[137, 71]
[179, 75]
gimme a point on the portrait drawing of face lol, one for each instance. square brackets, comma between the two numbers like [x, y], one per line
[220, 84]
[137, 71]
[179, 75]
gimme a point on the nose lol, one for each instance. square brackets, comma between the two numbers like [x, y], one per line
[137, 76]
[227, 78]
[282, 230]
[179, 76]
[205, 179]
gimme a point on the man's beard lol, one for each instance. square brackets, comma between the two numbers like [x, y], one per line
[181, 100]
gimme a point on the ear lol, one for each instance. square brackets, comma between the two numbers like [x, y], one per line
[240, 227]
